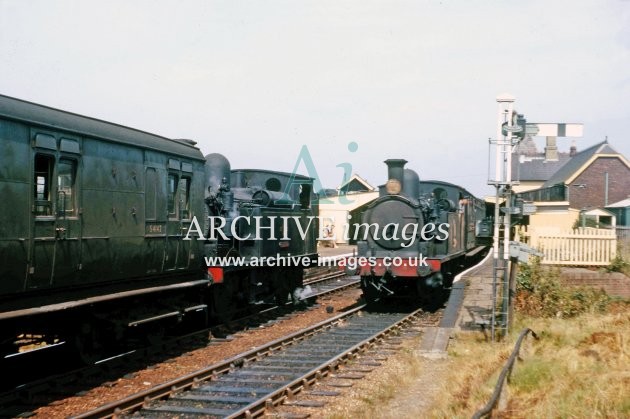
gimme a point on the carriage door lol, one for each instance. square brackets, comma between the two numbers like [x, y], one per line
[183, 201]
[178, 220]
[68, 230]
[56, 244]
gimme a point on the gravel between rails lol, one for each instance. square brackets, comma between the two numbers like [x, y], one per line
[197, 359]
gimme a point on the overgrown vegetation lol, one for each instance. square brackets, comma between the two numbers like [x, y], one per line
[539, 292]
[585, 222]
[578, 368]
[619, 264]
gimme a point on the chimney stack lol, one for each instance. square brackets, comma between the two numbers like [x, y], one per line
[551, 150]
[573, 149]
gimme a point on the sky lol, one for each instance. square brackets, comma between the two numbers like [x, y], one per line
[355, 82]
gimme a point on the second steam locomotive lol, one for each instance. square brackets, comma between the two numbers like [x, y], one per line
[418, 235]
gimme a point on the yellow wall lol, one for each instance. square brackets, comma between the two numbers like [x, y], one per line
[560, 217]
[340, 211]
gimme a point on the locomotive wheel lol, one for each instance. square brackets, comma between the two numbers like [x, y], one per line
[432, 298]
[291, 281]
[281, 292]
[282, 296]
[283, 281]
[370, 294]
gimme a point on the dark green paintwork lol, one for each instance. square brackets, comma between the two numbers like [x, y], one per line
[108, 239]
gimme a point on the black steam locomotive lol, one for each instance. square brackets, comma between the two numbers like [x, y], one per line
[418, 235]
[98, 234]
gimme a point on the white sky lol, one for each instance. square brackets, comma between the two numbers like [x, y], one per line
[256, 80]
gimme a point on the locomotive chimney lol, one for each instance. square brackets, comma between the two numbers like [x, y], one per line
[217, 169]
[395, 171]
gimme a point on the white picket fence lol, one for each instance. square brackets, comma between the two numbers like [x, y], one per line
[583, 246]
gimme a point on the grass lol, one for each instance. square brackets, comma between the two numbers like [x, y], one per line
[580, 368]
[367, 397]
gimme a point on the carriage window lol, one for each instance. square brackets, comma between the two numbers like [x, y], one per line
[66, 177]
[43, 179]
[172, 195]
[184, 197]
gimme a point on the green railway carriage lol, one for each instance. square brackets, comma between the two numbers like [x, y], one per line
[91, 211]
[86, 201]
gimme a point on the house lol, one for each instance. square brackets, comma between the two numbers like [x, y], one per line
[335, 210]
[577, 194]
[592, 178]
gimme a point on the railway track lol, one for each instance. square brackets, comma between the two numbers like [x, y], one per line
[254, 382]
[26, 397]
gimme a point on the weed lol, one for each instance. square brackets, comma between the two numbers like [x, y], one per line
[539, 292]
[619, 264]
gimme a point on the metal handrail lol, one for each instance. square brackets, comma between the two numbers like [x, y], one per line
[505, 374]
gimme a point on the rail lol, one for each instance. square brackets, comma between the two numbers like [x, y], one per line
[135, 401]
[25, 395]
[361, 331]
[505, 375]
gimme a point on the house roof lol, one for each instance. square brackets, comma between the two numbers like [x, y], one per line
[599, 212]
[356, 178]
[621, 204]
[538, 168]
[579, 162]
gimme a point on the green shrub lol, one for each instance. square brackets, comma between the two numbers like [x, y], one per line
[539, 292]
[619, 264]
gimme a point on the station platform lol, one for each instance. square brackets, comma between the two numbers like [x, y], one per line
[469, 308]
[340, 249]
[476, 309]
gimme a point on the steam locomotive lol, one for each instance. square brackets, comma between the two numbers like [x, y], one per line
[418, 235]
[96, 237]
